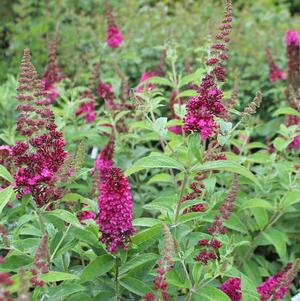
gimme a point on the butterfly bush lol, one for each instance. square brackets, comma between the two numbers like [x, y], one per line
[88, 106]
[114, 37]
[53, 72]
[275, 73]
[275, 287]
[115, 210]
[203, 108]
[143, 203]
[40, 158]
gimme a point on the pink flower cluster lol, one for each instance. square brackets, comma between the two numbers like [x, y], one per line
[232, 288]
[88, 109]
[141, 86]
[115, 201]
[210, 246]
[5, 281]
[41, 157]
[274, 72]
[114, 36]
[275, 286]
[197, 187]
[115, 210]
[86, 214]
[105, 91]
[202, 109]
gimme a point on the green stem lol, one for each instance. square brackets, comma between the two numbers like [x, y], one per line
[117, 283]
[177, 211]
[60, 242]
[41, 220]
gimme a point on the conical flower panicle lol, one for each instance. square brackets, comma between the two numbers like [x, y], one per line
[277, 286]
[292, 39]
[52, 73]
[105, 161]
[40, 261]
[105, 91]
[202, 109]
[275, 73]
[114, 37]
[87, 107]
[23, 294]
[115, 210]
[39, 158]
[160, 286]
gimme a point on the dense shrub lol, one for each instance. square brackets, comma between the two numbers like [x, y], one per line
[135, 166]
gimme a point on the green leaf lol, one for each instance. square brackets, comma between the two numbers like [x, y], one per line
[194, 145]
[134, 285]
[259, 157]
[286, 111]
[261, 216]
[14, 262]
[4, 173]
[145, 235]
[249, 292]
[66, 216]
[225, 126]
[75, 197]
[97, 267]
[255, 203]
[211, 294]
[5, 196]
[160, 81]
[235, 223]
[292, 197]
[54, 276]
[161, 178]
[137, 261]
[227, 165]
[281, 144]
[187, 93]
[155, 161]
[81, 297]
[277, 239]
[64, 290]
[145, 222]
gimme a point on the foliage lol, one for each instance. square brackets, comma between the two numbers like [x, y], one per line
[245, 174]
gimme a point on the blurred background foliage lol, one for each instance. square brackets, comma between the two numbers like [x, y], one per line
[147, 26]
